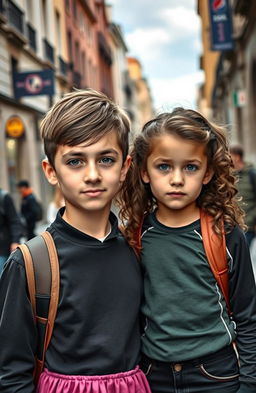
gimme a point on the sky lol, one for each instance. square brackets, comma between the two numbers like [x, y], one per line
[164, 35]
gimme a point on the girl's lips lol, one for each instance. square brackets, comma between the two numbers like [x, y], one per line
[176, 194]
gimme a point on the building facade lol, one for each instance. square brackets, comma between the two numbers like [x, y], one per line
[79, 46]
[143, 109]
[27, 45]
[61, 36]
[232, 95]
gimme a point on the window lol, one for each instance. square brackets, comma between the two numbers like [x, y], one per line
[75, 9]
[58, 32]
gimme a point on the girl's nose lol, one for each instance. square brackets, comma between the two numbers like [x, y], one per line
[176, 177]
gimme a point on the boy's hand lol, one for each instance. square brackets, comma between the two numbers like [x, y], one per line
[247, 388]
[14, 246]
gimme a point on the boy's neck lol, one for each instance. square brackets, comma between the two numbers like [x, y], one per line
[95, 224]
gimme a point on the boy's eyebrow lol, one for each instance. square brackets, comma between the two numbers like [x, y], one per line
[73, 153]
[109, 151]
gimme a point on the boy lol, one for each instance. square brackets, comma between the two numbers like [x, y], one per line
[96, 331]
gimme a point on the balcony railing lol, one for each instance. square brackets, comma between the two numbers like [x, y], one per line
[242, 7]
[48, 51]
[63, 66]
[15, 17]
[31, 32]
[77, 79]
[104, 49]
[89, 11]
[2, 8]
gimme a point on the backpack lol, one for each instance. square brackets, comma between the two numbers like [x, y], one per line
[39, 211]
[2, 196]
[215, 250]
[42, 272]
[252, 178]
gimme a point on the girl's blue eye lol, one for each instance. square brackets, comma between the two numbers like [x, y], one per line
[164, 167]
[191, 167]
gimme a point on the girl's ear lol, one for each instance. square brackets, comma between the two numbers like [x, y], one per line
[208, 176]
[144, 176]
[49, 172]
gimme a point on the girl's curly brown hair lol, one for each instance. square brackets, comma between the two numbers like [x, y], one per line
[217, 198]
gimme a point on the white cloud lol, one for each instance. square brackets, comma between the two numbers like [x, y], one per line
[164, 35]
[180, 21]
[172, 92]
[145, 43]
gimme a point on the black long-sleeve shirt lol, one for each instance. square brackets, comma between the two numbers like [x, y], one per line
[96, 329]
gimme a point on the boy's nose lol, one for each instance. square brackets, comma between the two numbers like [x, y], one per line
[92, 173]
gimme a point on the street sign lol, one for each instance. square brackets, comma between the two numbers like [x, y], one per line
[34, 83]
[14, 127]
[239, 98]
[221, 25]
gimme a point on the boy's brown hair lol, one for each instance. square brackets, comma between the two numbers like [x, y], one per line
[83, 116]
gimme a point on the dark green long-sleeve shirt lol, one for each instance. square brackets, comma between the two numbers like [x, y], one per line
[185, 312]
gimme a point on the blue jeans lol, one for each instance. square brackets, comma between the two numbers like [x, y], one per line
[3, 259]
[218, 372]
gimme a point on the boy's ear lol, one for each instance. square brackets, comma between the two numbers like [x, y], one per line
[49, 172]
[208, 176]
[144, 176]
[125, 167]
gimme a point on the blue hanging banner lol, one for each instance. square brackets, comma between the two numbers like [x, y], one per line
[221, 25]
[33, 83]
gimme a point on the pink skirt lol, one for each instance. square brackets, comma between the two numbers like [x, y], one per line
[133, 381]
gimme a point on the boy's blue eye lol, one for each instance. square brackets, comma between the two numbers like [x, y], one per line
[191, 167]
[164, 167]
[74, 162]
[107, 160]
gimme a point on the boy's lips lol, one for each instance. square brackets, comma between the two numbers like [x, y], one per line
[93, 191]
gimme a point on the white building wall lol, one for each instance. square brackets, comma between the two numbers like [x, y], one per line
[5, 77]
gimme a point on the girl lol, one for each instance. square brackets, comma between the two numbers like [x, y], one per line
[181, 164]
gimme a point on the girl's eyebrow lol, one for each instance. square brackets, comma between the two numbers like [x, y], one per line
[170, 159]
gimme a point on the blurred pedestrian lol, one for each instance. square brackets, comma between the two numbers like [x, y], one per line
[246, 187]
[10, 227]
[55, 205]
[29, 208]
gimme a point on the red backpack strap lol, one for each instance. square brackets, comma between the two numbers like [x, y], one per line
[215, 250]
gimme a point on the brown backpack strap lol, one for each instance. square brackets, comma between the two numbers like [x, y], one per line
[55, 284]
[30, 275]
[215, 250]
[42, 271]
